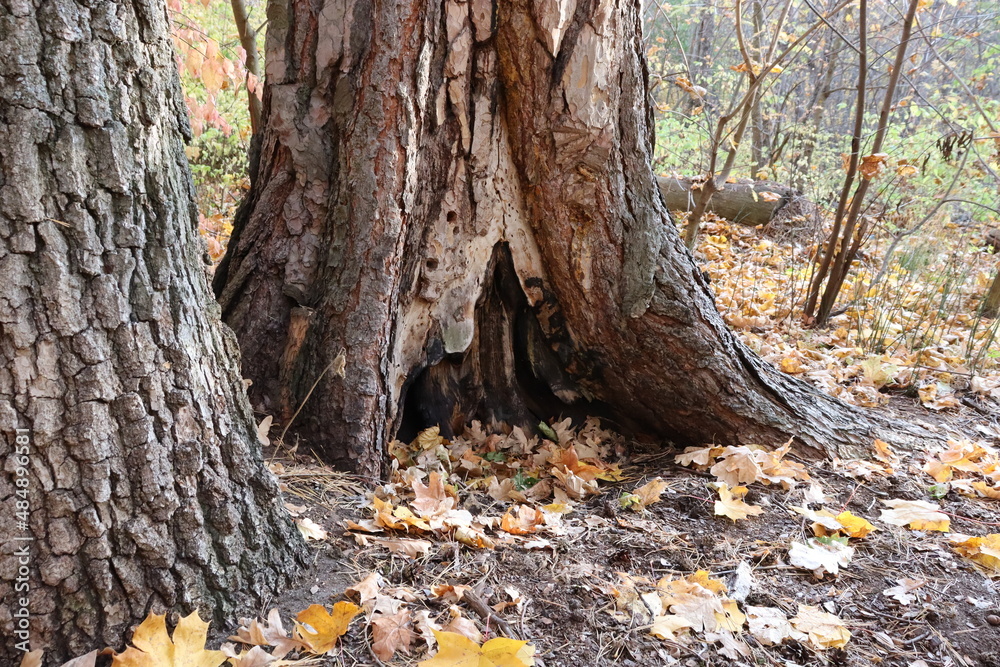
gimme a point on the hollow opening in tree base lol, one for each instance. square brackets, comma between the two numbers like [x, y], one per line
[508, 374]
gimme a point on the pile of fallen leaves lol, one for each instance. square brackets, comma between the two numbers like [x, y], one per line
[431, 475]
[760, 285]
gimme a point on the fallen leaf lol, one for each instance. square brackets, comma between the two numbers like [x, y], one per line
[32, 658]
[821, 557]
[855, 526]
[426, 627]
[902, 593]
[917, 514]
[463, 626]
[310, 529]
[458, 651]
[391, 634]
[521, 520]
[255, 657]
[431, 499]
[730, 619]
[983, 550]
[366, 589]
[733, 647]
[824, 630]
[319, 630]
[405, 547]
[770, 626]
[738, 466]
[732, 507]
[651, 491]
[151, 647]
[665, 626]
[269, 633]
[449, 592]
[87, 660]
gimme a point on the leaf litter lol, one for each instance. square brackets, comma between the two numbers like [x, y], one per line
[499, 547]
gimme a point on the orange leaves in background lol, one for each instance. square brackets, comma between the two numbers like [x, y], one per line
[205, 64]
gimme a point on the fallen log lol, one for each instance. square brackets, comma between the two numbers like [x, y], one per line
[745, 203]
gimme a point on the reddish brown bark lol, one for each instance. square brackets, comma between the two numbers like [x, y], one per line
[460, 197]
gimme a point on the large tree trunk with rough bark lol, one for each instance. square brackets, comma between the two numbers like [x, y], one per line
[459, 196]
[132, 478]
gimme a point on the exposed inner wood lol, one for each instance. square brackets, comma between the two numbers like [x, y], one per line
[406, 148]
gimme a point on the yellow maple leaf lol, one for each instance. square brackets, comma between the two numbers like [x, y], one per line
[730, 618]
[731, 506]
[455, 650]
[324, 628]
[917, 514]
[983, 550]
[704, 579]
[855, 526]
[151, 647]
[824, 630]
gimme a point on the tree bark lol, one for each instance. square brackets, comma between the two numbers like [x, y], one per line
[747, 204]
[137, 475]
[459, 195]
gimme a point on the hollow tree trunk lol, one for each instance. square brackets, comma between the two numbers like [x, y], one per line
[459, 195]
[138, 484]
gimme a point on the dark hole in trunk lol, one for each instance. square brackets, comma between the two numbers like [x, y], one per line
[508, 374]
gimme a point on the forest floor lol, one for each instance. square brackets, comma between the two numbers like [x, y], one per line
[572, 546]
[597, 553]
[643, 569]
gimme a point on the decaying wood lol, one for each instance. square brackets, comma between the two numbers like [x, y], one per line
[417, 161]
[748, 204]
[147, 488]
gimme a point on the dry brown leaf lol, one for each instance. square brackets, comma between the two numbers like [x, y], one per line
[405, 547]
[665, 626]
[269, 633]
[819, 557]
[463, 626]
[310, 529]
[391, 634]
[431, 499]
[770, 626]
[521, 520]
[449, 592]
[902, 592]
[366, 589]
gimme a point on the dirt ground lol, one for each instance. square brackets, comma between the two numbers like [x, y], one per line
[575, 605]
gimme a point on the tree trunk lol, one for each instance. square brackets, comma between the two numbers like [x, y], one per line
[745, 203]
[459, 195]
[133, 480]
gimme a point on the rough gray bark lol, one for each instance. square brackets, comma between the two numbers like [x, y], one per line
[146, 483]
[459, 195]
